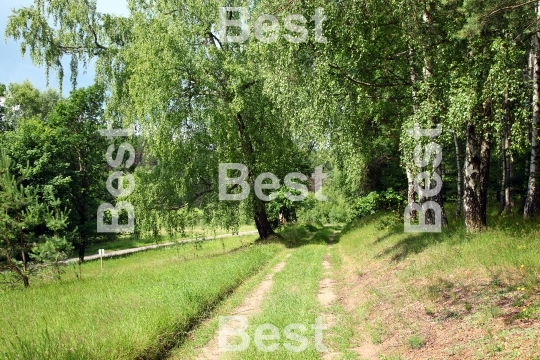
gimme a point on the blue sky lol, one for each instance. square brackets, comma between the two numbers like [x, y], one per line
[14, 68]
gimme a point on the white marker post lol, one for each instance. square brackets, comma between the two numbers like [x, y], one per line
[101, 253]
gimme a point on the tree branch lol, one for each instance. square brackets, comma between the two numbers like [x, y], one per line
[214, 38]
[360, 82]
[510, 7]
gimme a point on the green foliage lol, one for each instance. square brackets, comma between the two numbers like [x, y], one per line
[384, 200]
[281, 208]
[340, 208]
[3, 122]
[416, 342]
[77, 27]
[66, 155]
[366, 205]
[22, 218]
[198, 100]
[392, 200]
[53, 250]
[336, 209]
[24, 101]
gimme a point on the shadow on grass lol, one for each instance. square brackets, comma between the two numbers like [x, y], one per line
[380, 239]
[412, 244]
[415, 243]
[294, 236]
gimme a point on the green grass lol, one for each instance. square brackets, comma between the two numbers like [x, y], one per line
[131, 241]
[293, 237]
[341, 337]
[138, 306]
[509, 246]
[142, 305]
[207, 330]
[416, 342]
[182, 251]
[292, 299]
[455, 276]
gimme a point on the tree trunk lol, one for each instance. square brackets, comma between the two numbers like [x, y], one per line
[24, 257]
[523, 193]
[459, 197]
[410, 192]
[508, 191]
[504, 180]
[476, 171]
[82, 249]
[428, 74]
[438, 198]
[26, 282]
[485, 154]
[531, 202]
[13, 266]
[507, 203]
[261, 219]
[293, 215]
[410, 174]
[508, 197]
[430, 215]
[23, 275]
[414, 79]
[259, 207]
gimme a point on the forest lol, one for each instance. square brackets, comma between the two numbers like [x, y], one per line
[422, 115]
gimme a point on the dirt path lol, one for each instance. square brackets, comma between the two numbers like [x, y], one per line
[327, 297]
[148, 247]
[249, 307]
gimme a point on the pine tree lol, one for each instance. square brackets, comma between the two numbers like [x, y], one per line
[21, 212]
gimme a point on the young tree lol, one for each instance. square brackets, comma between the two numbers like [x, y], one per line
[492, 76]
[21, 216]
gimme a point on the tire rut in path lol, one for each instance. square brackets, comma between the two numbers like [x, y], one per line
[249, 307]
[327, 297]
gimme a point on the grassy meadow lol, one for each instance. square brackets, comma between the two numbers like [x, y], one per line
[137, 307]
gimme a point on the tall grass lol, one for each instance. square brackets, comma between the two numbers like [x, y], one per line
[508, 248]
[137, 307]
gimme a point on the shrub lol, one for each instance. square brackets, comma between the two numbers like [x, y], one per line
[366, 205]
[384, 200]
